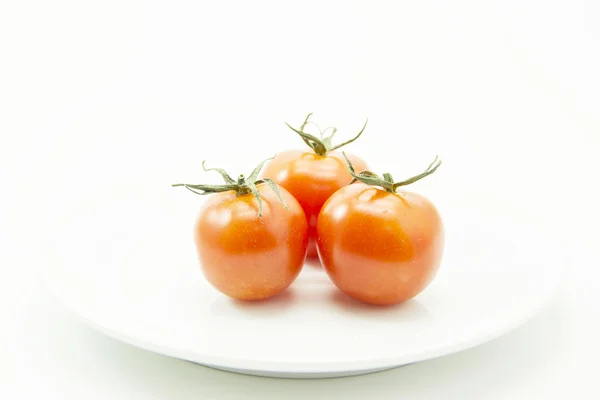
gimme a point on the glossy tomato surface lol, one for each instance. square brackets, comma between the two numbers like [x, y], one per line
[312, 179]
[245, 256]
[379, 247]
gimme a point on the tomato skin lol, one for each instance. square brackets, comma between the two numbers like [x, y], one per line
[311, 179]
[378, 247]
[245, 256]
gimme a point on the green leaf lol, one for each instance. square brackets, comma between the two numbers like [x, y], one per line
[224, 174]
[254, 175]
[351, 140]
[256, 194]
[275, 188]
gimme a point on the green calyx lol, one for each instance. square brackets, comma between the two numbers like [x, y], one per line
[387, 181]
[321, 145]
[242, 186]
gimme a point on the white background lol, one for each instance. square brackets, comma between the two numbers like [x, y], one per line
[120, 91]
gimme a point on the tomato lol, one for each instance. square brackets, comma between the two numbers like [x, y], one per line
[312, 176]
[380, 246]
[249, 257]
[312, 179]
[251, 240]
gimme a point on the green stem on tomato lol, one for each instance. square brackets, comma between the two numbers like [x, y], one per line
[387, 182]
[241, 186]
[322, 145]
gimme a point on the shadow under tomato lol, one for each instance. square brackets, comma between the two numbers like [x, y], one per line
[313, 262]
[411, 310]
[267, 308]
[287, 296]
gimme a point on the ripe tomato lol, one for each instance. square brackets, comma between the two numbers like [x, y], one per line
[312, 176]
[379, 246]
[251, 239]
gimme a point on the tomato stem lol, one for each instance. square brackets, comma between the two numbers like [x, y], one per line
[322, 145]
[387, 182]
[242, 186]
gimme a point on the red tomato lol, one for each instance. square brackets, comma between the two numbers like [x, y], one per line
[246, 256]
[378, 246]
[250, 249]
[312, 176]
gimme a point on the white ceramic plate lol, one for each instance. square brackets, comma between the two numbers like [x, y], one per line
[124, 262]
